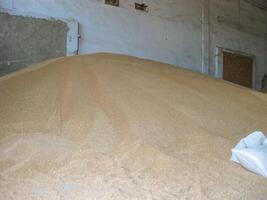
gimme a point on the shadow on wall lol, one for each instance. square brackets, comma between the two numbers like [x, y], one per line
[264, 84]
[27, 40]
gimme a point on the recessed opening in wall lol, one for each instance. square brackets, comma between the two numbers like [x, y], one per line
[112, 2]
[236, 67]
[141, 6]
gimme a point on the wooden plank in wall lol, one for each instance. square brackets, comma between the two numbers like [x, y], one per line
[238, 69]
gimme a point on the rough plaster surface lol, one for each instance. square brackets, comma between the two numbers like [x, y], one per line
[170, 32]
[123, 30]
[114, 127]
[241, 27]
[27, 40]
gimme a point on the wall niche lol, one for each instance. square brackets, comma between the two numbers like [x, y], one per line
[112, 2]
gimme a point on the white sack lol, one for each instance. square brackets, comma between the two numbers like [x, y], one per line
[251, 153]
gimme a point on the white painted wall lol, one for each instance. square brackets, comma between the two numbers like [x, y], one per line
[241, 27]
[170, 32]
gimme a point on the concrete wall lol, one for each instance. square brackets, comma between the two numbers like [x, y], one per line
[181, 32]
[169, 33]
[26, 40]
[241, 27]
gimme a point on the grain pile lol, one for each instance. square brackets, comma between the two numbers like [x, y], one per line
[105, 126]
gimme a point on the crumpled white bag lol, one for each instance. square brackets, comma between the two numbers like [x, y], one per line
[251, 153]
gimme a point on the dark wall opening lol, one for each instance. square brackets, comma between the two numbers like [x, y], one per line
[27, 40]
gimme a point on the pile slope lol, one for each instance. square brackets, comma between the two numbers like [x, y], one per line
[107, 126]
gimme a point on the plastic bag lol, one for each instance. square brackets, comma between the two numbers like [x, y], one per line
[251, 153]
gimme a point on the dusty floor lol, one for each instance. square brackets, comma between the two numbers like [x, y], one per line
[112, 127]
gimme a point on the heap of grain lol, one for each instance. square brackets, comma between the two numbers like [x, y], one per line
[107, 126]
